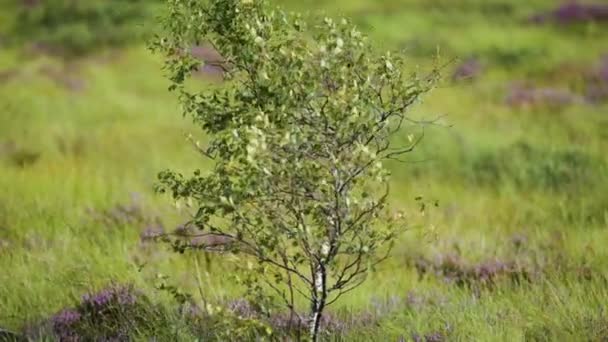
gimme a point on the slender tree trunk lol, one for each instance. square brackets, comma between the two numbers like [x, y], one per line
[318, 304]
[316, 321]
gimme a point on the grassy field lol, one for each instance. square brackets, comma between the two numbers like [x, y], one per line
[518, 163]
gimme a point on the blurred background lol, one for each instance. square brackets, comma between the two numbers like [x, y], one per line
[511, 182]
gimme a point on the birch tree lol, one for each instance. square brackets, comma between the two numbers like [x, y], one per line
[298, 136]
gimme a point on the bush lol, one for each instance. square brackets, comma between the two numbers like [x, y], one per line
[115, 313]
[74, 28]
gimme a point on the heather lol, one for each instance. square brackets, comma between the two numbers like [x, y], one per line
[504, 197]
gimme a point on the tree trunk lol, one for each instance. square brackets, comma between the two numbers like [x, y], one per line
[318, 304]
[316, 322]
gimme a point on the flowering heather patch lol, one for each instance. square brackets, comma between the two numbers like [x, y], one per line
[581, 83]
[414, 300]
[603, 69]
[418, 300]
[597, 85]
[467, 70]
[573, 12]
[385, 306]
[120, 215]
[64, 323]
[130, 214]
[430, 337]
[111, 314]
[453, 269]
[520, 95]
[332, 323]
[151, 232]
[597, 93]
[242, 308]
[525, 265]
[123, 296]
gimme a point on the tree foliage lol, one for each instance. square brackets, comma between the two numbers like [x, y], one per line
[298, 136]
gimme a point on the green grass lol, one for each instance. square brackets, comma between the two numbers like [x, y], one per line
[66, 153]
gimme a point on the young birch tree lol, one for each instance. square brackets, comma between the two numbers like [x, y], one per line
[298, 134]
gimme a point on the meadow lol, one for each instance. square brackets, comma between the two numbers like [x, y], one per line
[507, 193]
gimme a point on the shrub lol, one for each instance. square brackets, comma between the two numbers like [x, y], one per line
[523, 96]
[573, 12]
[469, 69]
[297, 135]
[74, 28]
[116, 313]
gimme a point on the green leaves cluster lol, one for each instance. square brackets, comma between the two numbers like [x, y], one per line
[298, 136]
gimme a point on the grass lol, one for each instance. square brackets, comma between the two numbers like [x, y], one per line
[66, 156]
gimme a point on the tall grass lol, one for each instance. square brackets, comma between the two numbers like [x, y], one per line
[69, 156]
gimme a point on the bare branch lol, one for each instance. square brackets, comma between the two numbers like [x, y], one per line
[343, 291]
